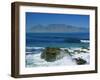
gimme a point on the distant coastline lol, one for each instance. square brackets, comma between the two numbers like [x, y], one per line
[55, 28]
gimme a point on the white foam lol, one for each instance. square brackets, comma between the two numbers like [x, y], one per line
[36, 59]
[34, 47]
[85, 41]
[67, 60]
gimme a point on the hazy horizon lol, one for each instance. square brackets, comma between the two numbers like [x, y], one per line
[47, 22]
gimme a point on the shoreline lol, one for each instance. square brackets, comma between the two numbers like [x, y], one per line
[35, 60]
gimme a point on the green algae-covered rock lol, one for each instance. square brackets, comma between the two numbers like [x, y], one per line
[52, 54]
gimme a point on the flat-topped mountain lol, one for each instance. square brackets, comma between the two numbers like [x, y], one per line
[57, 28]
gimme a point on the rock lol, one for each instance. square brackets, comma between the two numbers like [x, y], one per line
[52, 54]
[80, 61]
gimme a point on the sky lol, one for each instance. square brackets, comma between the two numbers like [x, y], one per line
[33, 19]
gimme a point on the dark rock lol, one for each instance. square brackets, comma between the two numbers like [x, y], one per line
[52, 54]
[80, 61]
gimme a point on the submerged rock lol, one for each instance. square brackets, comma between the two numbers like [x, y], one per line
[52, 54]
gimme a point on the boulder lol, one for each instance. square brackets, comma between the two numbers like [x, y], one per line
[80, 61]
[52, 54]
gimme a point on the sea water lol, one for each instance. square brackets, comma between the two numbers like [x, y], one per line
[36, 43]
[56, 39]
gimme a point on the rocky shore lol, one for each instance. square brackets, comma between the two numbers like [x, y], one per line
[79, 55]
[58, 57]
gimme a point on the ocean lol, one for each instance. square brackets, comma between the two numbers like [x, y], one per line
[56, 39]
[36, 43]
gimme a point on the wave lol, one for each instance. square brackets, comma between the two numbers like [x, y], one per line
[84, 41]
[34, 50]
[55, 40]
[34, 47]
[34, 60]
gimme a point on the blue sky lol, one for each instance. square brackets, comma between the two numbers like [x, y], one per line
[33, 19]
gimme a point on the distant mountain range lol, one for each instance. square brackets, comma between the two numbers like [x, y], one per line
[57, 28]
